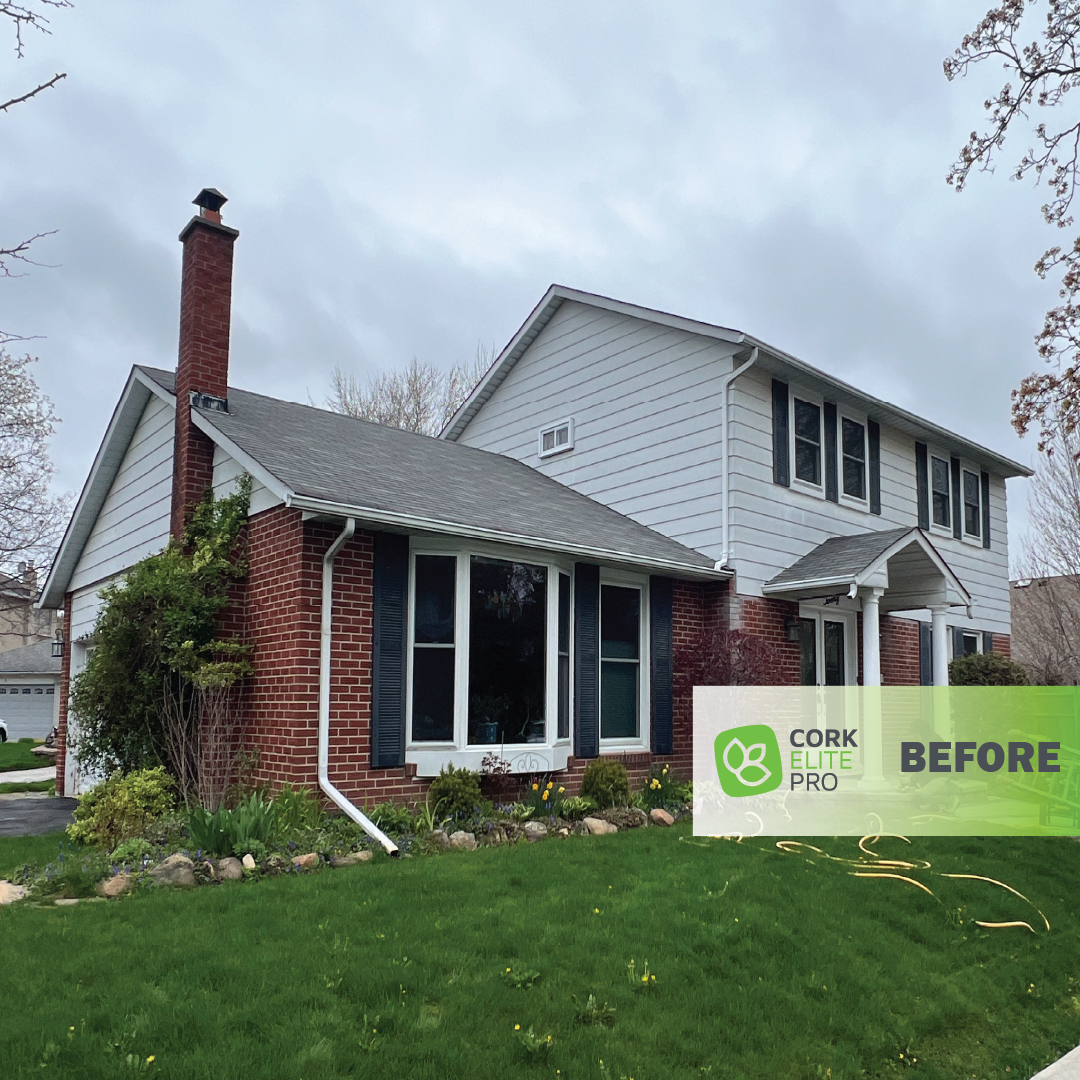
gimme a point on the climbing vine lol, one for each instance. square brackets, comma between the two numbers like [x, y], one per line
[158, 659]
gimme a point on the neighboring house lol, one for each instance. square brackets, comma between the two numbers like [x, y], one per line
[1046, 628]
[524, 585]
[22, 622]
[29, 681]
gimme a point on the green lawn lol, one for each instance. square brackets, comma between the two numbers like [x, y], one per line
[767, 966]
[16, 755]
[27, 785]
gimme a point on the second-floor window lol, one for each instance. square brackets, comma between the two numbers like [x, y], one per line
[853, 447]
[939, 484]
[807, 442]
[972, 506]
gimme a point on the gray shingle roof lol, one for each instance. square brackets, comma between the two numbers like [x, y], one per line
[34, 659]
[352, 463]
[840, 557]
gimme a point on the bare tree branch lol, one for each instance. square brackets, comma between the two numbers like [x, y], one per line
[33, 93]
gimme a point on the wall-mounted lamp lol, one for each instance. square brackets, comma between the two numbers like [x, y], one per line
[58, 643]
[792, 627]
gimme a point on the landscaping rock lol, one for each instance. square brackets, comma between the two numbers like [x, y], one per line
[351, 859]
[9, 893]
[463, 841]
[307, 862]
[176, 872]
[208, 867]
[535, 830]
[661, 817]
[66, 901]
[564, 831]
[440, 839]
[116, 885]
[598, 827]
[248, 862]
[230, 869]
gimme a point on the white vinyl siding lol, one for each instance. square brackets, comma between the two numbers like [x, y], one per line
[773, 526]
[227, 471]
[645, 400]
[134, 519]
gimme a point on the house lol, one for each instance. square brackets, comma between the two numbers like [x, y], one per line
[1046, 628]
[29, 684]
[22, 621]
[619, 483]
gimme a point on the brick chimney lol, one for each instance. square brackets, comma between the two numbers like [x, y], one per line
[203, 365]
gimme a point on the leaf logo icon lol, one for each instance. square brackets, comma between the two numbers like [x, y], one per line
[750, 757]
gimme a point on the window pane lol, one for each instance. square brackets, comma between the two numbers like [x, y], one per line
[971, 644]
[854, 478]
[808, 651]
[807, 421]
[434, 610]
[807, 462]
[833, 633]
[618, 700]
[620, 622]
[564, 613]
[941, 509]
[971, 488]
[507, 660]
[853, 440]
[549, 440]
[971, 519]
[433, 695]
[564, 656]
[940, 475]
[562, 436]
[972, 524]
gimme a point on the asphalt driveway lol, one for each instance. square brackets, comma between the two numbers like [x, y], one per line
[32, 815]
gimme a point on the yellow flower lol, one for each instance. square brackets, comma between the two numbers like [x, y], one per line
[517, 1027]
[551, 783]
[546, 794]
[596, 911]
[507, 971]
[561, 790]
[536, 787]
[644, 978]
[665, 768]
[150, 1059]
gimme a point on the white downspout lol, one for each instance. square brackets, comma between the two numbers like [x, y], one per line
[327, 637]
[725, 481]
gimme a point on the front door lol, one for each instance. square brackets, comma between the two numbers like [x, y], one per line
[825, 649]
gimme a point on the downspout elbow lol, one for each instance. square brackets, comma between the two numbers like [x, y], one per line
[325, 644]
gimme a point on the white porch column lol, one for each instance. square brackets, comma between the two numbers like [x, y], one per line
[872, 778]
[940, 634]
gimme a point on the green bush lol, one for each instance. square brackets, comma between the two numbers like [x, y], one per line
[122, 807]
[245, 830]
[392, 818]
[456, 792]
[298, 810]
[605, 782]
[986, 669]
[131, 851]
[577, 806]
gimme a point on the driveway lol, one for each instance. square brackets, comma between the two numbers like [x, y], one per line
[32, 815]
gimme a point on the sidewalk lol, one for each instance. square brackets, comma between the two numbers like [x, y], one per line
[28, 776]
[1066, 1068]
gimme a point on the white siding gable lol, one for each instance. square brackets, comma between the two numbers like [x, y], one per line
[134, 519]
[227, 470]
[645, 402]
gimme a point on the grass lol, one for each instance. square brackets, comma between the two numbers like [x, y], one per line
[766, 964]
[16, 850]
[16, 756]
[27, 785]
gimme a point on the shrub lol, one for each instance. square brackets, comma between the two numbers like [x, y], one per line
[297, 809]
[245, 830]
[456, 792]
[577, 806]
[392, 818]
[986, 669]
[122, 807]
[606, 783]
[131, 851]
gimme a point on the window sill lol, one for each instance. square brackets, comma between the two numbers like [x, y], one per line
[523, 757]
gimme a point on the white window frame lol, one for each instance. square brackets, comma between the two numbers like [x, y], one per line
[852, 500]
[627, 579]
[553, 753]
[817, 490]
[849, 617]
[977, 634]
[547, 429]
[931, 453]
[968, 467]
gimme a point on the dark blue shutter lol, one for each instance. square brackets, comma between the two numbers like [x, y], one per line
[586, 660]
[660, 637]
[957, 499]
[922, 485]
[832, 488]
[926, 655]
[389, 650]
[780, 471]
[985, 509]
[873, 437]
[988, 641]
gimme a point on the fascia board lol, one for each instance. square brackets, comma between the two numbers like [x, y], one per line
[154, 387]
[830, 582]
[255, 468]
[125, 419]
[411, 522]
[916, 536]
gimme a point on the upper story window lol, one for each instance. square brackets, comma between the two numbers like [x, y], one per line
[807, 431]
[972, 505]
[939, 486]
[556, 438]
[853, 452]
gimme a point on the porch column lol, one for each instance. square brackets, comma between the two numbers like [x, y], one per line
[939, 634]
[872, 778]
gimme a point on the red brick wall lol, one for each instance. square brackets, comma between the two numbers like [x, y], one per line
[766, 618]
[899, 652]
[65, 683]
[1003, 645]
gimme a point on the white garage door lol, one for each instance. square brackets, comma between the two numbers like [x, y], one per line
[27, 710]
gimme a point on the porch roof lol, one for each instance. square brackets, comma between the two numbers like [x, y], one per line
[918, 575]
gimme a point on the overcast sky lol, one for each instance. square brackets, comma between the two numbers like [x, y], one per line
[409, 178]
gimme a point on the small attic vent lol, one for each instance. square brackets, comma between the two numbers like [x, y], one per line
[208, 401]
[556, 438]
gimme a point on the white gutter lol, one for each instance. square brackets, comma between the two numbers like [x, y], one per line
[725, 481]
[327, 637]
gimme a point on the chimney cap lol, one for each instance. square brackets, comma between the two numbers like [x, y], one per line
[210, 199]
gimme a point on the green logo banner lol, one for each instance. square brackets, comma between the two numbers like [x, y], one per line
[919, 761]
